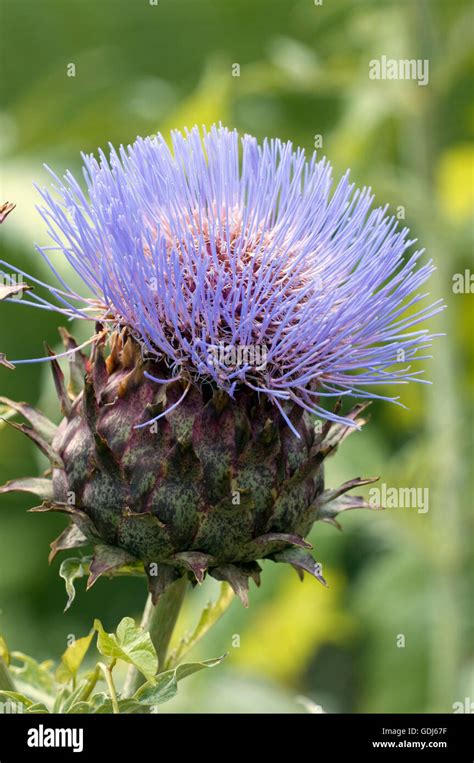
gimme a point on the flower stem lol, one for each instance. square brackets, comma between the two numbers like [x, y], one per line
[159, 621]
[107, 671]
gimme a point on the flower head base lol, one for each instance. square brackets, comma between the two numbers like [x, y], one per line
[222, 244]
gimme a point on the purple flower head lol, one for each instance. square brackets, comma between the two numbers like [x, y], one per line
[241, 264]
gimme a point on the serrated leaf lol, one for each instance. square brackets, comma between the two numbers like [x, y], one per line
[72, 658]
[130, 644]
[166, 684]
[70, 570]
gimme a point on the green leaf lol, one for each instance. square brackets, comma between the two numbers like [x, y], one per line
[34, 674]
[38, 708]
[70, 570]
[72, 658]
[61, 696]
[130, 644]
[75, 695]
[211, 613]
[79, 708]
[101, 703]
[16, 698]
[166, 684]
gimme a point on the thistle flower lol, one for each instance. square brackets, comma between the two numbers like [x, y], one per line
[234, 292]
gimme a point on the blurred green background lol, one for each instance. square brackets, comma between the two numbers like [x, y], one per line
[303, 73]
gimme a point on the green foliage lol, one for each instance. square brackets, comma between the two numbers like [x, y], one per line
[166, 685]
[303, 72]
[210, 614]
[70, 570]
[42, 688]
[72, 659]
[130, 644]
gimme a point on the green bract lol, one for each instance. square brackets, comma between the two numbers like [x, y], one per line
[213, 486]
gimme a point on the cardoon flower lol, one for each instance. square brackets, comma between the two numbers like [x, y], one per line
[235, 292]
